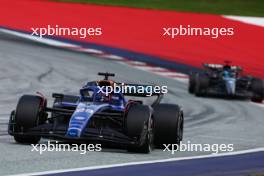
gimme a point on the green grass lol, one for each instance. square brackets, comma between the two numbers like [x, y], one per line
[227, 7]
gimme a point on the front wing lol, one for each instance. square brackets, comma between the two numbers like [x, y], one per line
[106, 135]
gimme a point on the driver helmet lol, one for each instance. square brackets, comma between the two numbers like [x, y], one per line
[102, 97]
[226, 74]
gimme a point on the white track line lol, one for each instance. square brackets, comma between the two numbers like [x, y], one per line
[172, 74]
[113, 57]
[38, 39]
[90, 51]
[258, 21]
[159, 69]
[143, 162]
[258, 104]
[135, 64]
[144, 68]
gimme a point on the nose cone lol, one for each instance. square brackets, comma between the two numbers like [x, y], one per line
[73, 132]
[230, 86]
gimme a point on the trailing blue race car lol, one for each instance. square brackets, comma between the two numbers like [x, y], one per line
[226, 80]
[95, 116]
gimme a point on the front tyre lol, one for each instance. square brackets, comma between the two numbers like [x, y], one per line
[191, 86]
[201, 85]
[29, 113]
[169, 121]
[140, 125]
[27, 139]
[147, 145]
[257, 87]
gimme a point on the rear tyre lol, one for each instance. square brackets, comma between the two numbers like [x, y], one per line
[168, 124]
[257, 87]
[201, 85]
[140, 126]
[29, 113]
[191, 87]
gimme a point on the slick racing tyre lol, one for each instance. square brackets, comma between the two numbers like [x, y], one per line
[26, 139]
[191, 83]
[168, 124]
[140, 125]
[257, 87]
[201, 85]
[29, 113]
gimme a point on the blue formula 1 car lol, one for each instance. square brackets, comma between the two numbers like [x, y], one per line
[226, 80]
[98, 117]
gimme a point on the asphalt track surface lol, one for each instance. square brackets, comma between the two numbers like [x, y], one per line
[27, 67]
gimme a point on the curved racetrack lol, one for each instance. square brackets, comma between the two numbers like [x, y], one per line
[27, 67]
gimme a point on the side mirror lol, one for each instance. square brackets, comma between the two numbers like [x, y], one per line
[57, 95]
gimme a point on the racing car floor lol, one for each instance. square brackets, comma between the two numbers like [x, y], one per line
[27, 67]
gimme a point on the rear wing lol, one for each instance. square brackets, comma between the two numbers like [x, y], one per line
[106, 75]
[139, 90]
[221, 67]
[213, 66]
[236, 68]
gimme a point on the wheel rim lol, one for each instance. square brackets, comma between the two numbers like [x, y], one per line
[150, 134]
[180, 129]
